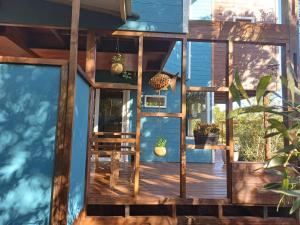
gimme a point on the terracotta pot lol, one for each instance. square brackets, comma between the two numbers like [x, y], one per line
[160, 151]
[116, 68]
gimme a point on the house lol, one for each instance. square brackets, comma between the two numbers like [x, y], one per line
[77, 142]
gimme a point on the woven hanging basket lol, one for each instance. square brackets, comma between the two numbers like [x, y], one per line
[160, 81]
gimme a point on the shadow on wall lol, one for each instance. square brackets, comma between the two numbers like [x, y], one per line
[28, 117]
[252, 62]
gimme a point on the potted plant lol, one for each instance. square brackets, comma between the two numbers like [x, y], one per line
[160, 147]
[117, 66]
[206, 134]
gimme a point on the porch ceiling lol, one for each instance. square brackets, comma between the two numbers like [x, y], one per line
[119, 8]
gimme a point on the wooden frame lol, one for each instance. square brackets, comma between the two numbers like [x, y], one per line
[210, 31]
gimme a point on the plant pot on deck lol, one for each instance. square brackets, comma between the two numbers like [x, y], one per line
[210, 139]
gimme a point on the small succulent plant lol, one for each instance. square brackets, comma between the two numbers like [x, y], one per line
[161, 142]
[205, 129]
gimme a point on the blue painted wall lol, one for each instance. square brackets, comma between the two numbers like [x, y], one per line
[163, 15]
[28, 118]
[79, 148]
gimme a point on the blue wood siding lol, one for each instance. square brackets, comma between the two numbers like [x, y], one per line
[199, 64]
[28, 119]
[79, 148]
[162, 16]
[200, 10]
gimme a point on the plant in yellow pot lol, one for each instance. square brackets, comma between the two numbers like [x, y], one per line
[117, 66]
[160, 147]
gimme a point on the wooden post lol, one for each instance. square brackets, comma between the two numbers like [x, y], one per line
[59, 192]
[90, 131]
[285, 94]
[183, 122]
[265, 119]
[91, 51]
[290, 17]
[229, 122]
[66, 155]
[138, 116]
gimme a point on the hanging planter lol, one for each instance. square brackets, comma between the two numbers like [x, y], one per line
[206, 134]
[117, 66]
[160, 147]
[162, 80]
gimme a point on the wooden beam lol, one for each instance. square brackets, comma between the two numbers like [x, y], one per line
[123, 13]
[161, 114]
[183, 122]
[59, 38]
[138, 116]
[273, 34]
[91, 55]
[20, 39]
[208, 89]
[67, 154]
[207, 147]
[229, 122]
[58, 203]
[118, 86]
[25, 60]
[103, 61]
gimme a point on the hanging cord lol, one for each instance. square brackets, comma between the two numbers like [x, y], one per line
[118, 46]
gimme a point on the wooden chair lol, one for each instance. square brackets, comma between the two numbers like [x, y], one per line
[114, 145]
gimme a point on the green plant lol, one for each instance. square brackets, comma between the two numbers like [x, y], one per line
[118, 58]
[286, 160]
[127, 75]
[161, 142]
[205, 129]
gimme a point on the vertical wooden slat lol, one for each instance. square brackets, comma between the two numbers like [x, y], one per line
[183, 122]
[70, 104]
[58, 203]
[91, 51]
[285, 95]
[267, 140]
[229, 122]
[90, 131]
[138, 116]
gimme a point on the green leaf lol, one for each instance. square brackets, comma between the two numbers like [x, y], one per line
[235, 93]
[292, 193]
[272, 186]
[276, 161]
[240, 86]
[296, 205]
[286, 149]
[271, 134]
[249, 109]
[262, 87]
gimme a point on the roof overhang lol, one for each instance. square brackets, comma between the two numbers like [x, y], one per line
[118, 8]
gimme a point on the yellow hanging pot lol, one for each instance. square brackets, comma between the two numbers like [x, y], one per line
[160, 151]
[160, 147]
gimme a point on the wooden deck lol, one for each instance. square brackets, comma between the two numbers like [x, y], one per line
[159, 183]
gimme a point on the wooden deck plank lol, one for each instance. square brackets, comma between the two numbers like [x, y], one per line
[159, 183]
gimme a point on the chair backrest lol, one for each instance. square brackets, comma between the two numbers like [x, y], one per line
[112, 140]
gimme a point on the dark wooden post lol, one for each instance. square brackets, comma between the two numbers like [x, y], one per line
[138, 116]
[229, 122]
[59, 192]
[60, 214]
[183, 122]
